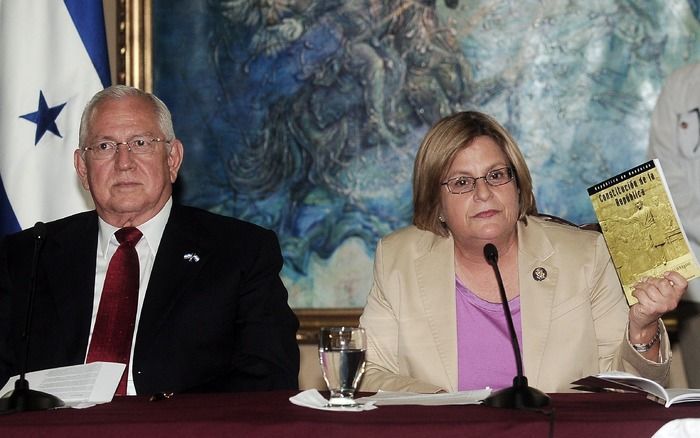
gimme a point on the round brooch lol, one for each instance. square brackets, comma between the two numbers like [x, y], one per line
[539, 274]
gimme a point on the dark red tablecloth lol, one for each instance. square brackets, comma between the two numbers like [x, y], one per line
[271, 414]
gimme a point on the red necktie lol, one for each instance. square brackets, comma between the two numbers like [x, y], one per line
[116, 316]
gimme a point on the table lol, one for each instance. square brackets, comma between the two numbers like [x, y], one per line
[270, 414]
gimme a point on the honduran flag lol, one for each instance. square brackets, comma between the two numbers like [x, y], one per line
[53, 58]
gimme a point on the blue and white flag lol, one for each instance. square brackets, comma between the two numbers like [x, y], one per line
[53, 58]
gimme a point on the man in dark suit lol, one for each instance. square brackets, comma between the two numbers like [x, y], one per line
[212, 312]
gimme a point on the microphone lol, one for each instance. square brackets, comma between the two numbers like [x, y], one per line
[22, 398]
[520, 395]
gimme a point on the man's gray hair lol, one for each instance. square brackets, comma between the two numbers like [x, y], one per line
[165, 120]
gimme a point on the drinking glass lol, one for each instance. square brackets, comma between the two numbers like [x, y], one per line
[342, 354]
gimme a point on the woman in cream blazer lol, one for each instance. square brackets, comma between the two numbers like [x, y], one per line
[574, 321]
[574, 316]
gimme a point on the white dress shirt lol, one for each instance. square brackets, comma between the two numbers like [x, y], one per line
[147, 248]
[675, 140]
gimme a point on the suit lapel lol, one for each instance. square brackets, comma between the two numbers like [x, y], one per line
[435, 274]
[70, 264]
[180, 258]
[536, 297]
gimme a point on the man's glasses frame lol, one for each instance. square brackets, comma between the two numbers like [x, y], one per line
[105, 150]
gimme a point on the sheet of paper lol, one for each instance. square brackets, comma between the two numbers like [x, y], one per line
[78, 386]
[384, 398]
[313, 399]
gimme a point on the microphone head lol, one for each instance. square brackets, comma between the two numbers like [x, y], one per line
[39, 230]
[491, 253]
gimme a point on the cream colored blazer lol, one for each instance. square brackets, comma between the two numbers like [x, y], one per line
[573, 322]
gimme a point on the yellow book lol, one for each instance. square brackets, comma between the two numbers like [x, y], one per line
[641, 226]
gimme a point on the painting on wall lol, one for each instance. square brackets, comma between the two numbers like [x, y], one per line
[304, 116]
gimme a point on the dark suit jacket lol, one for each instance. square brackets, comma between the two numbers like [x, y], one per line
[219, 324]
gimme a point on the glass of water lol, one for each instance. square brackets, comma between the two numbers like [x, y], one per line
[342, 354]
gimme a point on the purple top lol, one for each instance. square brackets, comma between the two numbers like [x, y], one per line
[484, 353]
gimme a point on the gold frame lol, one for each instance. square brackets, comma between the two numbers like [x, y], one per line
[134, 67]
[311, 320]
[134, 44]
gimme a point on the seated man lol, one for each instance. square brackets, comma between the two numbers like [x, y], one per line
[189, 300]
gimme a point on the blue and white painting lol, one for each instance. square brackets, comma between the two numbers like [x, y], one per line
[304, 116]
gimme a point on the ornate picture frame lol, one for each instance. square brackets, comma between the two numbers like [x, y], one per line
[584, 107]
[134, 68]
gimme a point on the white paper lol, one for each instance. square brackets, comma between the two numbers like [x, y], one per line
[679, 428]
[384, 398]
[79, 386]
[313, 399]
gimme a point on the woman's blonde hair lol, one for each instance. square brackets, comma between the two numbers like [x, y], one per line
[441, 144]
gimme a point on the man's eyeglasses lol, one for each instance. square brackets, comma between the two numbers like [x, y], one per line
[464, 184]
[108, 149]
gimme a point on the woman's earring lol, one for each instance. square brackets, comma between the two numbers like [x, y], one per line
[441, 219]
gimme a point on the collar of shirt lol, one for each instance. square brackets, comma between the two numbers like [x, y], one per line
[152, 230]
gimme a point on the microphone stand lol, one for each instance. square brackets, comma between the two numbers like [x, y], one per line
[22, 398]
[520, 395]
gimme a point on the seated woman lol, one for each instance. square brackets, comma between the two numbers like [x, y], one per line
[434, 316]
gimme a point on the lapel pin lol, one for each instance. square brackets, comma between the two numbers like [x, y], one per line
[539, 274]
[191, 257]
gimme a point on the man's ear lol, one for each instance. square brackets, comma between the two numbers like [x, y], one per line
[175, 157]
[81, 168]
